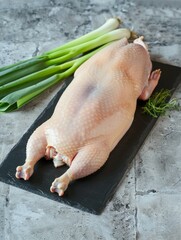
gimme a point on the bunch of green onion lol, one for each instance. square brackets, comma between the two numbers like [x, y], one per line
[23, 81]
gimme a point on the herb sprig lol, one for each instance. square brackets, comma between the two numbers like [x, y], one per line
[159, 103]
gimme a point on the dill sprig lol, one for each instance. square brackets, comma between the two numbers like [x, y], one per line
[159, 103]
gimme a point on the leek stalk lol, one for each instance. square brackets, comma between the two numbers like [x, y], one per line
[22, 81]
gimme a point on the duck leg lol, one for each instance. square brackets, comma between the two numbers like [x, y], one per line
[87, 161]
[35, 150]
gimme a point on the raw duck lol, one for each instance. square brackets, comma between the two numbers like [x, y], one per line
[93, 113]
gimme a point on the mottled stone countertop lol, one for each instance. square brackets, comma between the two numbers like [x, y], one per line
[147, 204]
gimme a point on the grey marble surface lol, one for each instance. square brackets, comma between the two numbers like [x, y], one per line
[148, 201]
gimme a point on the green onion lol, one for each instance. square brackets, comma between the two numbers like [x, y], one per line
[108, 26]
[22, 81]
[20, 97]
[159, 103]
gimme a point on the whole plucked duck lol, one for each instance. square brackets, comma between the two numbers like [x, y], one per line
[93, 113]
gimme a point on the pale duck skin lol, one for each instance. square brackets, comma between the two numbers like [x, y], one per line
[93, 113]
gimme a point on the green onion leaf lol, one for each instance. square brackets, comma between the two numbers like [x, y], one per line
[23, 81]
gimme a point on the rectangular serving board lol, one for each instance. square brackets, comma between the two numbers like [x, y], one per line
[91, 193]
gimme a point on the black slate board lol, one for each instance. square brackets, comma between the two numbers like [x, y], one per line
[93, 192]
